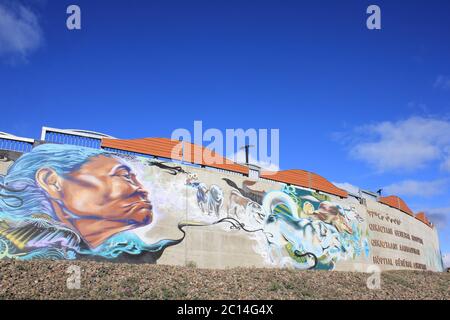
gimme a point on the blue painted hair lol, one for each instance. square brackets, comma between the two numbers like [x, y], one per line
[21, 196]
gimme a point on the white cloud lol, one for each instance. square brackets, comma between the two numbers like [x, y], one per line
[347, 187]
[239, 157]
[415, 188]
[446, 164]
[401, 146]
[20, 32]
[442, 82]
[418, 106]
[438, 216]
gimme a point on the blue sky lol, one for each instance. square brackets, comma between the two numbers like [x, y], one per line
[365, 107]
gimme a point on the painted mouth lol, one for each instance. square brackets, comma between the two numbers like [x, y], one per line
[141, 212]
[142, 209]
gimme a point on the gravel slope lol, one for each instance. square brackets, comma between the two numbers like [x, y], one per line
[47, 280]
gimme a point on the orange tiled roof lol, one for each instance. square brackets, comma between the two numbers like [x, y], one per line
[396, 202]
[177, 150]
[422, 217]
[305, 179]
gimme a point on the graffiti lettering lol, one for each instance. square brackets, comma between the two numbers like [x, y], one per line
[381, 260]
[384, 217]
[402, 234]
[378, 228]
[416, 239]
[383, 244]
[409, 249]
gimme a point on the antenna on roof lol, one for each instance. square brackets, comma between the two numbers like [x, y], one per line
[247, 147]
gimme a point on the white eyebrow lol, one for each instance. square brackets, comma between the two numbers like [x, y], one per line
[118, 167]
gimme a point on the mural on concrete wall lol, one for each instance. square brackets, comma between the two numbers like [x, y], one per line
[312, 230]
[301, 229]
[69, 202]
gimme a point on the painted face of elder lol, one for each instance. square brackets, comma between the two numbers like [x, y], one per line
[106, 189]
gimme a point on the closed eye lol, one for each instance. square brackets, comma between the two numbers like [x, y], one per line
[123, 171]
[127, 175]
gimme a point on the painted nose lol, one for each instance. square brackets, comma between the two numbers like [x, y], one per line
[142, 192]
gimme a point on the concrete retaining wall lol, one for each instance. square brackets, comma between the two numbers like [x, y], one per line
[60, 203]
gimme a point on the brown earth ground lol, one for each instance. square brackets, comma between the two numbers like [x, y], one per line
[48, 280]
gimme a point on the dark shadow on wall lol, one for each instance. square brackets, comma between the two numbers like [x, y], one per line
[7, 155]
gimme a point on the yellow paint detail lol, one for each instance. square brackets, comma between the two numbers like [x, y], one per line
[308, 208]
